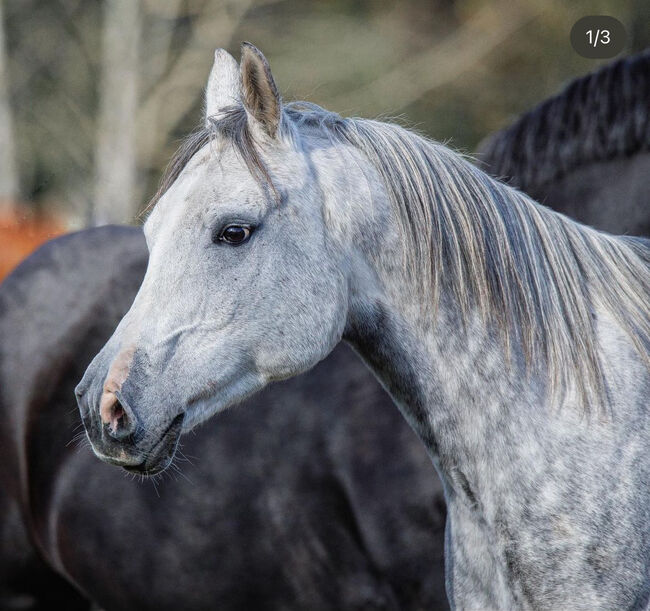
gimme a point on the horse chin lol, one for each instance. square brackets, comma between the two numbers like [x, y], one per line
[161, 455]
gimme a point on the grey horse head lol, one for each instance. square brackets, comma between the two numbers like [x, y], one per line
[244, 284]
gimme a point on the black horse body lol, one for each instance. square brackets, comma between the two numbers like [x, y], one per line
[315, 495]
[286, 507]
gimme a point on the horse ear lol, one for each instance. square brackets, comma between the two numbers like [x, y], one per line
[259, 92]
[224, 87]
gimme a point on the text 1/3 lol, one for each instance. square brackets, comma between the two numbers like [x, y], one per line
[596, 37]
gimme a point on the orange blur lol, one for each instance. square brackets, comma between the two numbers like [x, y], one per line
[21, 232]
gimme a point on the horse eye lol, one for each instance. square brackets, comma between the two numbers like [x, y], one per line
[236, 234]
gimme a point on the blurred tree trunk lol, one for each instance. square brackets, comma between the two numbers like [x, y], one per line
[8, 170]
[116, 172]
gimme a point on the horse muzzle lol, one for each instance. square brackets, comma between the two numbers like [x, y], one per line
[117, 436]
[161, 455]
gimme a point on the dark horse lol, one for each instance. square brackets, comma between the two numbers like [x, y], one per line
[586, 151]
[354, 518]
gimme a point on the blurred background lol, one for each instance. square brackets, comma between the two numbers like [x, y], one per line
[95, 95]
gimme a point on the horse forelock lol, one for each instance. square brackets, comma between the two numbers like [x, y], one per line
[231, 125]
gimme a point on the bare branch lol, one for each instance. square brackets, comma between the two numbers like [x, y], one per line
[175, 94]
[442, 63]
[157, 41]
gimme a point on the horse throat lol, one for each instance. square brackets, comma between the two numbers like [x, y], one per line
[455, 391]
[450, 380]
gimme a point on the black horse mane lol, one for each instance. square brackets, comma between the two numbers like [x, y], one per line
[603, 115]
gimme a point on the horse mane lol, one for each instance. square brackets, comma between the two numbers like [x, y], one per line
[598, 117]
[538, 276]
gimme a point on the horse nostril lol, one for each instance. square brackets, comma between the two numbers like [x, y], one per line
[115, 418]
[120, 423]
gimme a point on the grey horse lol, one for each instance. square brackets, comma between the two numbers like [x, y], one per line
[514, 340]
[392, 540]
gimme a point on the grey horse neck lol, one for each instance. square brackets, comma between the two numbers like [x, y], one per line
[547, 506]
[528, 487]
